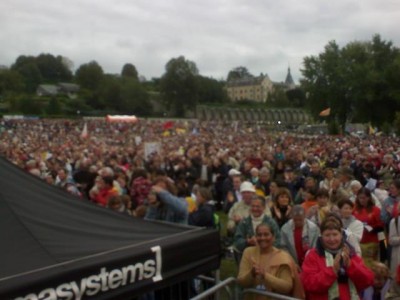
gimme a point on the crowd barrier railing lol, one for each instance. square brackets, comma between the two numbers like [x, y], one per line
[214, 290]
[233, 290]
[268, 294]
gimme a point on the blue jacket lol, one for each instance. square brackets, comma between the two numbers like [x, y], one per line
[171, 209]
[203, 216]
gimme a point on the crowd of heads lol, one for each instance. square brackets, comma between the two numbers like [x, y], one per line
[296, 176]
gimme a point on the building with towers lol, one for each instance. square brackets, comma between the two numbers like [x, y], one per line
[256, 88]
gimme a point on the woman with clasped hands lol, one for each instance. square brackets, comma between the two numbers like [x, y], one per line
[267, 268]
[332, 270]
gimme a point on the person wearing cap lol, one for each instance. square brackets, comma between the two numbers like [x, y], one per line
[241, 209]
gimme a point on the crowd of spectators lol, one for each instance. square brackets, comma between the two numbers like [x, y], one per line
[308, 191]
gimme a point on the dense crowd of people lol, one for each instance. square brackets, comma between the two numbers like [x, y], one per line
[308, 216]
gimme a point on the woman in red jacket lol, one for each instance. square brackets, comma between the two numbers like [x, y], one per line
[332, 270]
[366, 211]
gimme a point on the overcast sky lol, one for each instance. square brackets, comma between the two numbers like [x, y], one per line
[263, 35]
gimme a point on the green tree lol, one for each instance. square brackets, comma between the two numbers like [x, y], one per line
[296, 97]
[52, 68]
[383, 87]
[110, 93]
[53, 107]
[357, 82]
[11, 82]
[277, 98]
[238, 73]
[396, 123]
[129, 70]
[29, 106]
[179, 85]
[135, 98]
[76, 106]
[23, 60]
[89, 76]
[211, 90]
[27, 67]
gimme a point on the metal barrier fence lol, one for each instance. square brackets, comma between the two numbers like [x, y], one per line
[234, 292]
[269, 294]
[214, 291]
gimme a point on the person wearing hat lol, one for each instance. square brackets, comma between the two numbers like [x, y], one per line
[241, 209]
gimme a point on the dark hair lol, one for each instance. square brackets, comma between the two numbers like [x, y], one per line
[108, 180]
[344, 202]
[370, 203]
[170, 186]
[205, 193]
[116, 200]
[322, 193]
[396, 183]
[138, 172]
[309, 178]
[283, 191]
[312, 191]
[266, 226]
[258, 197]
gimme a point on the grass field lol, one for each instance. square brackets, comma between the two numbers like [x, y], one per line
[228, 265]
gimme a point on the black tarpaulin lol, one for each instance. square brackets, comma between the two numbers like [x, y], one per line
[56, 246]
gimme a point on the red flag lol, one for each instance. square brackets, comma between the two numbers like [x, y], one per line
[168, 125]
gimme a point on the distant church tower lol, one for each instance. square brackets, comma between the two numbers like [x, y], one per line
[289, 82]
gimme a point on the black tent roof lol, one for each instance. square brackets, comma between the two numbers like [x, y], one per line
[54, 245]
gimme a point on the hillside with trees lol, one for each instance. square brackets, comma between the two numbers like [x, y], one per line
[359, 82]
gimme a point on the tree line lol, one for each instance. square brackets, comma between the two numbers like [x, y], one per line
[179, 89]
[359, 82]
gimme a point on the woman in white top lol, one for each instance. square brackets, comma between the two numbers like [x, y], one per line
[354, 228]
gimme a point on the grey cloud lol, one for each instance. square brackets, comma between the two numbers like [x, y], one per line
[265, 36]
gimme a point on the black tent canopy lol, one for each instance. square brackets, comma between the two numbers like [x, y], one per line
[55, 246]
